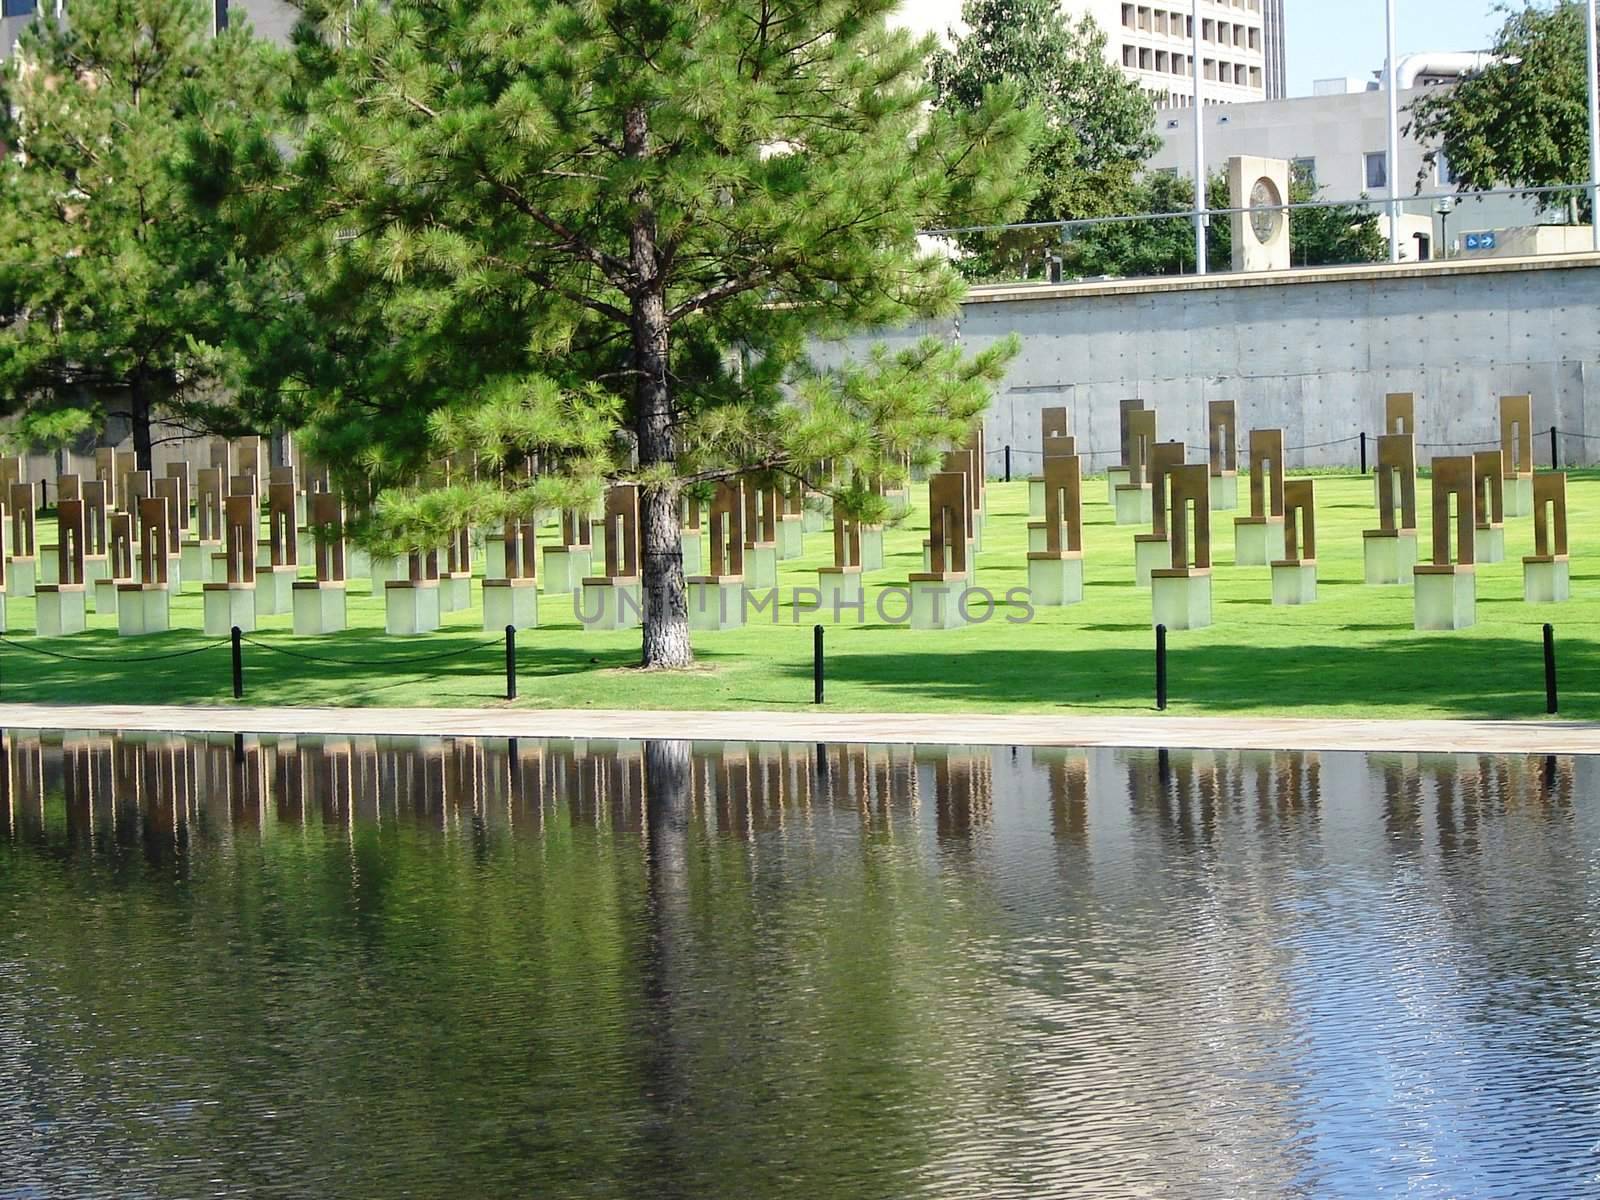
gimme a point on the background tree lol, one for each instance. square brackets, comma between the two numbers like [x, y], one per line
[525, 222]
[1336, 235]
[116, 295]
[1522, 121]
[1098, 126]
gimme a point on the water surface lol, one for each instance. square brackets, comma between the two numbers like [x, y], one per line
[373, 968]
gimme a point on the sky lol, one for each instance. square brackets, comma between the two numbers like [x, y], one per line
[1330, 38]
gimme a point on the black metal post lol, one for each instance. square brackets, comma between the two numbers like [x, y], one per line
[238, 749]
[238, 663]
[1555, 460]
[511, 662]
[1363, 451]
[1161, 667]
[1550, 699]
[816, 664]
[1008, 464]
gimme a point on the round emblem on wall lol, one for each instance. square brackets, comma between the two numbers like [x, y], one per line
[1265, 215]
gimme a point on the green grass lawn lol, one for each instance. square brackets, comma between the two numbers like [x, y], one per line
[1353, 653]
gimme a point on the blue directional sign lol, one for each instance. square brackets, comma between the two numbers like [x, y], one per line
[1479, 241]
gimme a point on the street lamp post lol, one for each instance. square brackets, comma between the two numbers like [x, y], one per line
[1444, 208]
[1391, 71]
[1199, 152]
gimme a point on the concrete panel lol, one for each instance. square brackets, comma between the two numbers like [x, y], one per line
[1311, 351]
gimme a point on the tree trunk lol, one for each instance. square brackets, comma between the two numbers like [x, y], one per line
[665, 623]
[139, 418]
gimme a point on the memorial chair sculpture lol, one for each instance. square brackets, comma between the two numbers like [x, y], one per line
[1122, 473]
[22, 557]
[1258, 538]
[567, 563]
[512, 597]
[716, 595]
[936, 592]
[761, 504]
[275, 577]
[612, 600]
[229, 594]
[792, 521]
[691, 537]
[1447, 585]
[455, 584]
[1151, 550]
[145, 605]
[1054, 423]
[62, 604]
[121, 563]
[1399, 419]
[977, 483]
[1055, 570]
[170, 489]
[1390, 551]
[1133, 498]
[1222, 419]
[96, 517]
[319, 604]
[211, 490]
[411, 605]
[49, 552]
[1489, 535]
[872, 537]
[841, 585]
[1546, 573]
[1294, 576]
[1516, 454]
[1056, 445]
[1180, 593]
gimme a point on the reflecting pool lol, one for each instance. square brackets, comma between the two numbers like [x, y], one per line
[374, 968]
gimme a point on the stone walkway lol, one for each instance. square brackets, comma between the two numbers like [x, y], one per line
[1219, 733]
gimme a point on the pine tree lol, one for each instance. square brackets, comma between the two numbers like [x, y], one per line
[591, 240]
[116, 294]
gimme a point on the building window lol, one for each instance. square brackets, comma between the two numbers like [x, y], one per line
[1130, 56]
[1127, 16]
[1377, 169]
[1304, 172]
[17, 8]
[1446, 172]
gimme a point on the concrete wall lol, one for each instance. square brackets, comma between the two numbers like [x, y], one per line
[1313, 352]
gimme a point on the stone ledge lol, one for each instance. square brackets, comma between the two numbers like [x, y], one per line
[938, 729]
[999, 293]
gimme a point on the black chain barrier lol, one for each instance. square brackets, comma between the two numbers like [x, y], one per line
[121, 658]
[406, 660]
